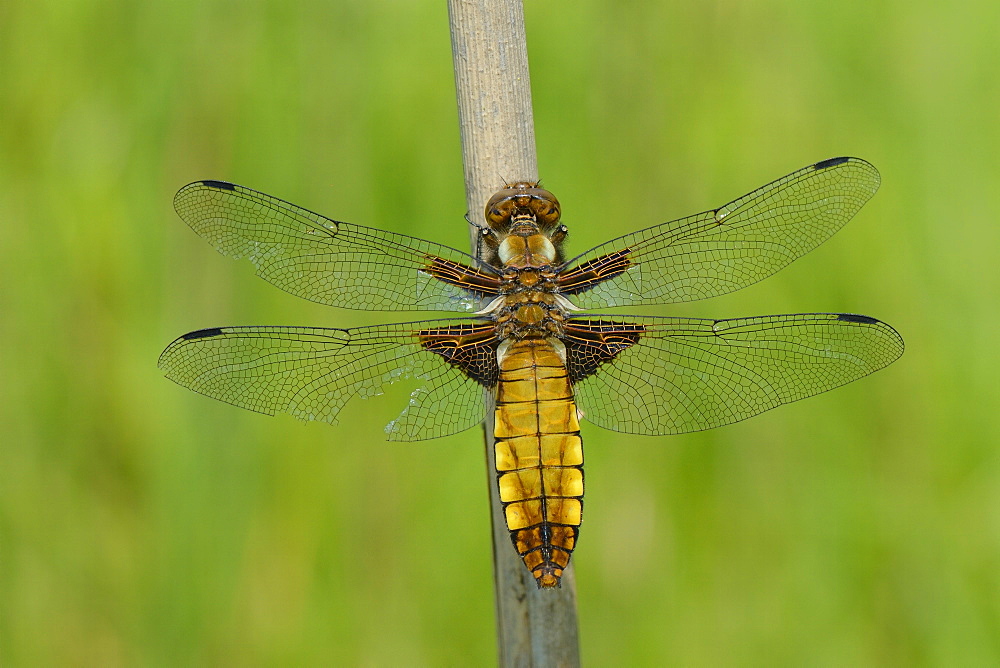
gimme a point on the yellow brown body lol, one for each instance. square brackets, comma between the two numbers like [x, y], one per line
[539, 457]
[539, 453]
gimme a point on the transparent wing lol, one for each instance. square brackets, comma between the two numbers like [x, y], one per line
[312, 372]
[724, 249]
[673, 375]
[330, 262]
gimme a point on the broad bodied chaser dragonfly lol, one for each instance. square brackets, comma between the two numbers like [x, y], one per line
[528, 352]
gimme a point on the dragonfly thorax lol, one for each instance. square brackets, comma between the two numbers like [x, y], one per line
[530, 305]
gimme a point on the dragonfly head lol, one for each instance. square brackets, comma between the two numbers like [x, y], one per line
[523, 208]
[524, 226]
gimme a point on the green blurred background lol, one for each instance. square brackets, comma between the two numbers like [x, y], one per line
[142, 524]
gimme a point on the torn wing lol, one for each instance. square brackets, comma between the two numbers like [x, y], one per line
[724, 249]
[312, 372]
[658, 376]
[330, 262]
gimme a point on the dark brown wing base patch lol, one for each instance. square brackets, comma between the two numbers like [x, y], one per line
[591, 343]
[480, 283]
[472, 348]
[592, 272]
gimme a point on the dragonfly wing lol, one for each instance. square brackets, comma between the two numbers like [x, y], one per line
[330, 262]
[659, 376]
[311, 372]
[727, 248]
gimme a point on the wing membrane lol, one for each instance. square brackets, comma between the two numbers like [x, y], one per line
[312, 372]
[330, 262]
[724, 249]
[658, 376]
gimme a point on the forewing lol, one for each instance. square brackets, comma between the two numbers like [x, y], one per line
[658, 376]
[724, 249]
[312, 372]
[330, 262]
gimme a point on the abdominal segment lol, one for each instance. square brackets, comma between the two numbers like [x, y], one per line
[539, 457]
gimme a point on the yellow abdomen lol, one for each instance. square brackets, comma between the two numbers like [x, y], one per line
[539, 457]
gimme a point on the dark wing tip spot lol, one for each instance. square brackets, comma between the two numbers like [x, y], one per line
[851, 317]
[202, 334]
[221, 185]
[830, 162]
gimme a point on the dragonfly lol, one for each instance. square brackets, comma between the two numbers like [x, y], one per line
[534, 350]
